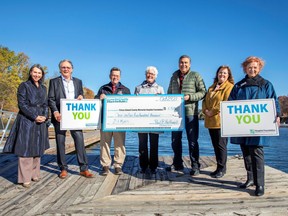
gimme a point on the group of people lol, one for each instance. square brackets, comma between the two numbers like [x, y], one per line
[29, 134]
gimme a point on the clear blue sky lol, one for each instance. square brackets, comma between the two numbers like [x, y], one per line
[97, 35]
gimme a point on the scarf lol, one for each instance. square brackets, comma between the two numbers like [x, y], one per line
[145, 83]
[255, 81]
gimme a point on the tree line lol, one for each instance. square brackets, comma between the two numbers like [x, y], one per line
[14, 68]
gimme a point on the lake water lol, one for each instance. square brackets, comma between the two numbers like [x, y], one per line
[276, 155]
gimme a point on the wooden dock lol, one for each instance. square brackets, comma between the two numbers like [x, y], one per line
[90, 137]
[133, 193]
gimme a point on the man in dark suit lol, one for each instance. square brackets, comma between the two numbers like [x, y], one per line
[66, 86]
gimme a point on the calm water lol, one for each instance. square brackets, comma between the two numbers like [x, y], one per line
[276, 155]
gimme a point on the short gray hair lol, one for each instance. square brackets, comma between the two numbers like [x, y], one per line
[153, 69]
[65, 60]
[185, 56]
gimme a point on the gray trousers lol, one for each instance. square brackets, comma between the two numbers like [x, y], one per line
[28, 169]
[78, 138]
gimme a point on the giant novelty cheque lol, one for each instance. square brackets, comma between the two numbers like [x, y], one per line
[248, 118]
[143, 113]
[80, 114]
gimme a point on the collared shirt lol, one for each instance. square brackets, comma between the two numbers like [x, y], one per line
[114, 89]
[69, 88]
[181, 77]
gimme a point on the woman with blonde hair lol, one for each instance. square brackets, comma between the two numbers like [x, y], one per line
[253, 86]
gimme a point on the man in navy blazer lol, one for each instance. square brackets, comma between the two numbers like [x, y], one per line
[66, 86]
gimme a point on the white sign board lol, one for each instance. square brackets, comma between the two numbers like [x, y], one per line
[143, 113]
[80, 114]
[244, 118]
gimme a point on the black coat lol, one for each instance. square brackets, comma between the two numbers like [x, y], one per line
[57, 92]
[28, 138]
[107, 90]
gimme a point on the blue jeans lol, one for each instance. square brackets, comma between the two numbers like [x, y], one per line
[192, 132]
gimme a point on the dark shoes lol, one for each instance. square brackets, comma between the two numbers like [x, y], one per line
[213, 173]
[218, 174]
[176, 168]
[118, 171]
[105, 171]
[87, 174]
[247, 184]
[63, 174]
[195, 172]
[259, 191]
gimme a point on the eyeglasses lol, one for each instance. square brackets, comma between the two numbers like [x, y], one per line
[153, 74]
[65, 67]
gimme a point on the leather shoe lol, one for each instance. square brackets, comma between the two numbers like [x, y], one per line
[259, 191]
[63, 174]
[247, 184]
[105, 171]
[118, 171]
[223, 171]
[87, 174]
[219, 174]
[173, 167]
[213, 173]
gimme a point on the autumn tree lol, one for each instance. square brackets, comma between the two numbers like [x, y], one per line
[13, 70]
[283, 100]
[88, 93]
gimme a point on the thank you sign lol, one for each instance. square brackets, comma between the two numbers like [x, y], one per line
[248, 118]
[80, 114]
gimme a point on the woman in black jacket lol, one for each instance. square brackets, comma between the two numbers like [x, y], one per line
[28, 137]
